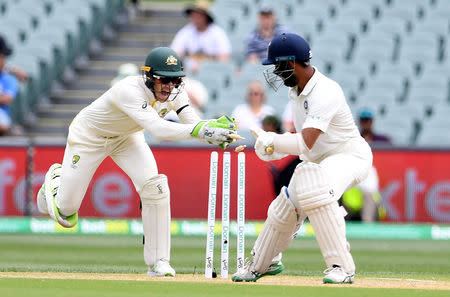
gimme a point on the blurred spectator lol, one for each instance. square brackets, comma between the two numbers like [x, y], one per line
[198, 97]
[18, 72]
[125, 70]
[258, 40]
[197, 93]
[8, 89]
[281, 176]
[271, 123]
[366, 119]
[201, 39]
[287, 120]
[363, 201]
[253, 112]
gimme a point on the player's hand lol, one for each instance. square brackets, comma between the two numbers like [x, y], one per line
[220, 132]
[264, 147]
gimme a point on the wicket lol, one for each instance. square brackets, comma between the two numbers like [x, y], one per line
[225, 231]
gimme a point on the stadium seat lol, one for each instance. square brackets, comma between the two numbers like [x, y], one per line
[434, 131]
[331, 46]
[399, 129]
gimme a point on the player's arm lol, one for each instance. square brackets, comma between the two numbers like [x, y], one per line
[185, 112]
[293, 143]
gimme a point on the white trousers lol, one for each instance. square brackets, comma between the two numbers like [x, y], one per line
[130, 152]
[347, 166]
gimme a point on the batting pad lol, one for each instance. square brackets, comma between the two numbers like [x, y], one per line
[309, 187]
[329, 227]
[155, 197]
[276, 234]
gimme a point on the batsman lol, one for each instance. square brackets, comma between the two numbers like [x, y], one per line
[335, 158]
[113, 126]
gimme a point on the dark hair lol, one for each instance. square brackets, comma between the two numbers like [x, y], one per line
[274, 121]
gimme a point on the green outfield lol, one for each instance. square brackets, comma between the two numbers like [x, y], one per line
[425, 264]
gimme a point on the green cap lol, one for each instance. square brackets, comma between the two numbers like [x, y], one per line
[164, 61]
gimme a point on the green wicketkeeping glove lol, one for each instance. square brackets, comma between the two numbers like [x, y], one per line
[220, 132]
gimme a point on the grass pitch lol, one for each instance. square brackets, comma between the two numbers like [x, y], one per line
[79, 262]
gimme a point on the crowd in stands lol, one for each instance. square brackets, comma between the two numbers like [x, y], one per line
[224, 41]
[8, 88]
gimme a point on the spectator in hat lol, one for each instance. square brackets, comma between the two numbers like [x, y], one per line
[366, 118]
[8, 89]
[201, 39]
[258, 40]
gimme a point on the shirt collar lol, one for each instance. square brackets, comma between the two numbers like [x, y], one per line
[311, 83]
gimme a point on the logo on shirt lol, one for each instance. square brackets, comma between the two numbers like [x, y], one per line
[171, 60]
[163, 112]
[75, 160]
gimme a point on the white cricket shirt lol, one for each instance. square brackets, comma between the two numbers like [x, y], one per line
[212, 42]
[246, 119]
[322, 105]
[129, 106]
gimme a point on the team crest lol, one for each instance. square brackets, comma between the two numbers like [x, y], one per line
[163, 112]
[75, 160]
[171, 60]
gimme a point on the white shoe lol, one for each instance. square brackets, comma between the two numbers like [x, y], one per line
[161, 268]
[52, 183]
[336, 275]
[248, 274]
[40, 200]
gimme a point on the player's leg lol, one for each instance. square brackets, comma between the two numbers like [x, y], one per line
[136, 159]
[275, 237]
[276, 266]
[316, 189]
[65, 184]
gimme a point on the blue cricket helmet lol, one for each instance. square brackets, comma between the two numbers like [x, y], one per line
[287, 47]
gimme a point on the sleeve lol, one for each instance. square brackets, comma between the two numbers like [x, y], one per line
[188, 115]
[11, 87]
[250, 45]
[223, 43]
[185, 112]
[322, 110]
[179, 41]
[129, 103]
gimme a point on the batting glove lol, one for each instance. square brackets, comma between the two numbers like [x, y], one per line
[264, 147]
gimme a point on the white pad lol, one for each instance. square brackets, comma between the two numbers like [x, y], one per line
[329, 226]
[276, 234]
[311, 191]
[309, 187]
[155, 197]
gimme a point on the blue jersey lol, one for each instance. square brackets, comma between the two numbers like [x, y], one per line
[8, 85]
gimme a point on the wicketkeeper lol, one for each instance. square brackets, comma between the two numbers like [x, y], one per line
[113, 126]
[335, 158]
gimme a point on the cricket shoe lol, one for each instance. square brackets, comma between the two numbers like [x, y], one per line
[40, 200]
[274, 268]
[161, 268]
[336, 275]
[248, 274]
[50, 188]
